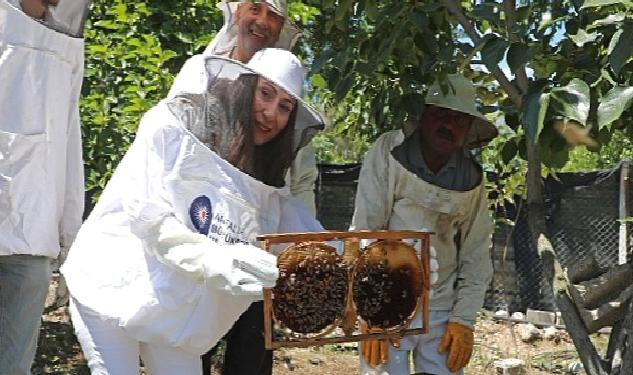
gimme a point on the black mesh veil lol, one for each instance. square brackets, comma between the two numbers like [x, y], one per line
[220, 117]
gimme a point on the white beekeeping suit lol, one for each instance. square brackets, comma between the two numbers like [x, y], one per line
[169, 252]
[303, 173]
[41, 168]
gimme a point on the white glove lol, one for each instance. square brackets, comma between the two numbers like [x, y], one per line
[258, 264]
[240, 269]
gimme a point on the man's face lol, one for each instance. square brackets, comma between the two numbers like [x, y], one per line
[258, 27]
[37, 8]
[444, 131]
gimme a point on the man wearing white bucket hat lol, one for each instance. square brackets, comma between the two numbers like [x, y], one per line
[248, 27]
[41, 167]
[167, 260]
[424, 178]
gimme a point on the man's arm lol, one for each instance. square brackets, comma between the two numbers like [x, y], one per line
[302, 177]
[475, 266]
[374, 200]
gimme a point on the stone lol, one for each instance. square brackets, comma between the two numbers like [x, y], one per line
[518, 315]
[551, 334]
[541, 318]
[528, 332]
[510, 366]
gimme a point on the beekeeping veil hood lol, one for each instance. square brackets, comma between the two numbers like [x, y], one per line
[221, 117]
[226, 38]
[457, 93]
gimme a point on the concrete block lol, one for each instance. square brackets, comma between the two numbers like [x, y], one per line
[541, 318]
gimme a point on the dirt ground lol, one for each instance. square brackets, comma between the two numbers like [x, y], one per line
[59, 353]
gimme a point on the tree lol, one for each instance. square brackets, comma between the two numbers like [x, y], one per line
[558, 72]
[133, 51]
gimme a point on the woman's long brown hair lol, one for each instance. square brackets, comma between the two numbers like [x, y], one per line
[269, 162]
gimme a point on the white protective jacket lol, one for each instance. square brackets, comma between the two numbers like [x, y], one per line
[41, 167]
[140, 259]
[391, 197]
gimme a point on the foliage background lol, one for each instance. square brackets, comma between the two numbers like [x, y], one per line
[133, 51]
[369, 63]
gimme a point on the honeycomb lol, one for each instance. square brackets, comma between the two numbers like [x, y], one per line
[388, 282]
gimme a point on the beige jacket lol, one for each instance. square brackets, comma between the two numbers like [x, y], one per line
[391, 197]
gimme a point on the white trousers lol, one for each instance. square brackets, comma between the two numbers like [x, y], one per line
[426, 359]
[110, 351]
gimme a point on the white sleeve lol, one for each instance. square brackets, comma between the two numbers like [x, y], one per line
[302, 176]
[74, 193]
[475, 265]
[240, 269]
[374, 200]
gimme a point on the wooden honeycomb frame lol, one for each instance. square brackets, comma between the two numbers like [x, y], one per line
[295, 238]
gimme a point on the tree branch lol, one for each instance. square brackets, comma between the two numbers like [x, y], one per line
[456, 11]
[511, 22]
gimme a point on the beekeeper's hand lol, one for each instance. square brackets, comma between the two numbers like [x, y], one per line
[253, 266]
[458, 340]
[240, 269]
[375, 352]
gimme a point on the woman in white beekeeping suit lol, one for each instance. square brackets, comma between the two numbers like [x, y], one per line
[167, 260]
[41, 167]
[237, 40]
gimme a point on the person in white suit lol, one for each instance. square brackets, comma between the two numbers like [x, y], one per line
[168, 259]
[424, 177]
[248, 27]
[41, 166]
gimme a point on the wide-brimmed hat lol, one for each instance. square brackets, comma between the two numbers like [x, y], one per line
[226, 38]
[283, 69]
[461, 96]
[458, 94]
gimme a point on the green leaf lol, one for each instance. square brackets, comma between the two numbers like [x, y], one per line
[518, 54]
[573, 100]
[534, 115]
[509, 151]
[609, 20]
[493, 51]
[611, 107]
[621, 47]
[600, 3]
[583, 37]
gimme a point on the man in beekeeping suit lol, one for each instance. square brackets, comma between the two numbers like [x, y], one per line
[41, 167]
[248, 27]
[424, 178]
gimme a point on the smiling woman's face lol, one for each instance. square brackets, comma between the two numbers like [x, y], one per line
[272, 107]
[37, 8]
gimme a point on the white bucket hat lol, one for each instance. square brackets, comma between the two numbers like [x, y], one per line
[461, 97]
[226, 38]
[282, 68]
